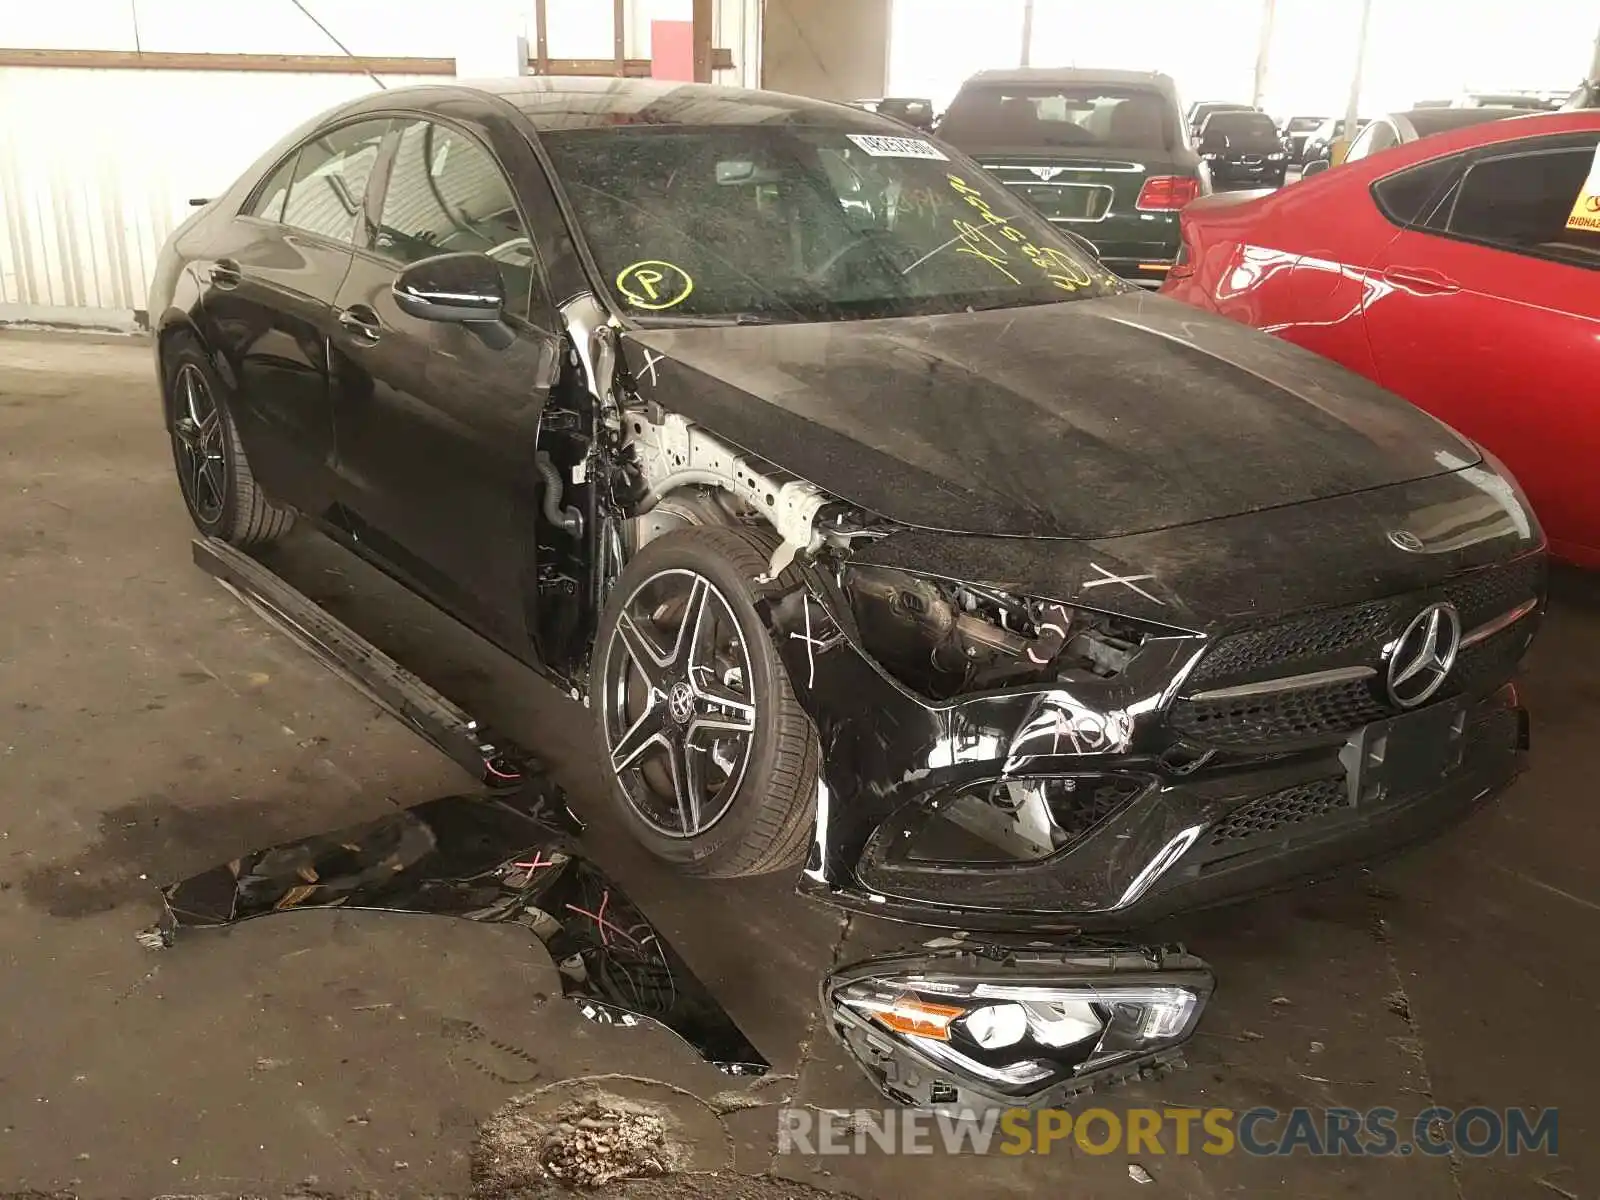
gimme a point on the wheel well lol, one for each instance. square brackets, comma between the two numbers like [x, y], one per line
[169, 336]
[684, 508]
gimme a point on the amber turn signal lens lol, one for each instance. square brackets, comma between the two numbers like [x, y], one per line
[908, 1014]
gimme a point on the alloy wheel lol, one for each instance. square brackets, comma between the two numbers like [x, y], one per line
[197, 436]
[680, 711]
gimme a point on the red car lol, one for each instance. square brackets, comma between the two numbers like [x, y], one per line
[1461, 271]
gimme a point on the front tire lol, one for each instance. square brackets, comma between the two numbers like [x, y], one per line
[219, 490]
[711, 761]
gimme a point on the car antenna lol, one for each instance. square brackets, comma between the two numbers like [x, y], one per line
[329, 33]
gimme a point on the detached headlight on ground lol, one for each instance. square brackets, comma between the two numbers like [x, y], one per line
[984, 1027]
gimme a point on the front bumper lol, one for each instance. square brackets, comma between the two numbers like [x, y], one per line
[1226, 171]
[1158, 835]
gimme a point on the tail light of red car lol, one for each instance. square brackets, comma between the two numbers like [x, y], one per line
[1167, 193]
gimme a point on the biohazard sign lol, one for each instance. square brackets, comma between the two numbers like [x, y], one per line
[1586, 210]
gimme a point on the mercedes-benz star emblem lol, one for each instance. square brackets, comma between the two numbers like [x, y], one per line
[680, 702]
[1405, 540]
[1422, 658]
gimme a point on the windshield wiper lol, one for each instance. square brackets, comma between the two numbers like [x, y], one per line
[743, 318]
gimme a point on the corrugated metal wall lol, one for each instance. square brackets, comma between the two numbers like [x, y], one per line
[97, 166]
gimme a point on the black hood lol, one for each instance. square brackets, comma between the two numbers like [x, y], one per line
[1087, 419]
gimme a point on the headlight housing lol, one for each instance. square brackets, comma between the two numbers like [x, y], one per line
[944, 637]
[987, 1027]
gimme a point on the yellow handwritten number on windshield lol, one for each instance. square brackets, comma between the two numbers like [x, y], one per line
[654, 286]
[1058, 266]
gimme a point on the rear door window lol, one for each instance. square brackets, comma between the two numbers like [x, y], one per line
[1415, 195]
[1538, 200]
[330, 180]
[1048, 117]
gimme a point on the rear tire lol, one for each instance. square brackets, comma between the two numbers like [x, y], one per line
[737, 796]
[214, 475]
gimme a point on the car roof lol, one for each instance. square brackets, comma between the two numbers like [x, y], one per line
[1073, 75]
[1442, 145]
[1512, 128]
[1430, 121]
[554, 104]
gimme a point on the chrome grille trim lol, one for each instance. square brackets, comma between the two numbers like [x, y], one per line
[1504, 621]
[1287, 683]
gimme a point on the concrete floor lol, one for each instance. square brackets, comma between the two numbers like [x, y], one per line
[151, 727]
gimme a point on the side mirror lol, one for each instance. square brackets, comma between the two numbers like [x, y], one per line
[457, 289]
[1315, 167]
[1082, 243]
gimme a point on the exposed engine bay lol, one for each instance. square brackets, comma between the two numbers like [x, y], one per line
[941, 638]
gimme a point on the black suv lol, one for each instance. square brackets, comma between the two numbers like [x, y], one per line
[1243, 147]
[1102, 154]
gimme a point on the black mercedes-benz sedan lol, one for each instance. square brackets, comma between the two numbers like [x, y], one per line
[885, 532]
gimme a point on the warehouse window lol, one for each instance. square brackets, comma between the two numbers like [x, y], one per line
[447, 194]
[330, 180]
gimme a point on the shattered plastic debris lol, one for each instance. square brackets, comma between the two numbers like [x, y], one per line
[586, 1143]
[498, 859]
[1139, 1175]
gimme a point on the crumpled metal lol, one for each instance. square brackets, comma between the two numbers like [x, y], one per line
[502, 859]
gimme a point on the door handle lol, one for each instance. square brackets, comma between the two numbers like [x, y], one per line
[361, 323]
[1422, 280]
[225, 273]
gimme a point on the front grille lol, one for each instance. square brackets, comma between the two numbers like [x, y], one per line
[1493, 660]
[1304, 715]
[1493, 734]
[1272, 812]
[1285, 648]
[1345, 637]
[1484, 595]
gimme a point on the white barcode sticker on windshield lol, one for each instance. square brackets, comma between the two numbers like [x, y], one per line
[898, 147]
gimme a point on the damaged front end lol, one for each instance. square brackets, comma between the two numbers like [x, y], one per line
[1030, 765]
[997, 761]
[967, 1027]
[1054, 737]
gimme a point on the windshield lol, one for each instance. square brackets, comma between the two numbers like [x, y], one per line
[1237, 123]
[806, 224]
[1304, 124]
[1040, 116]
